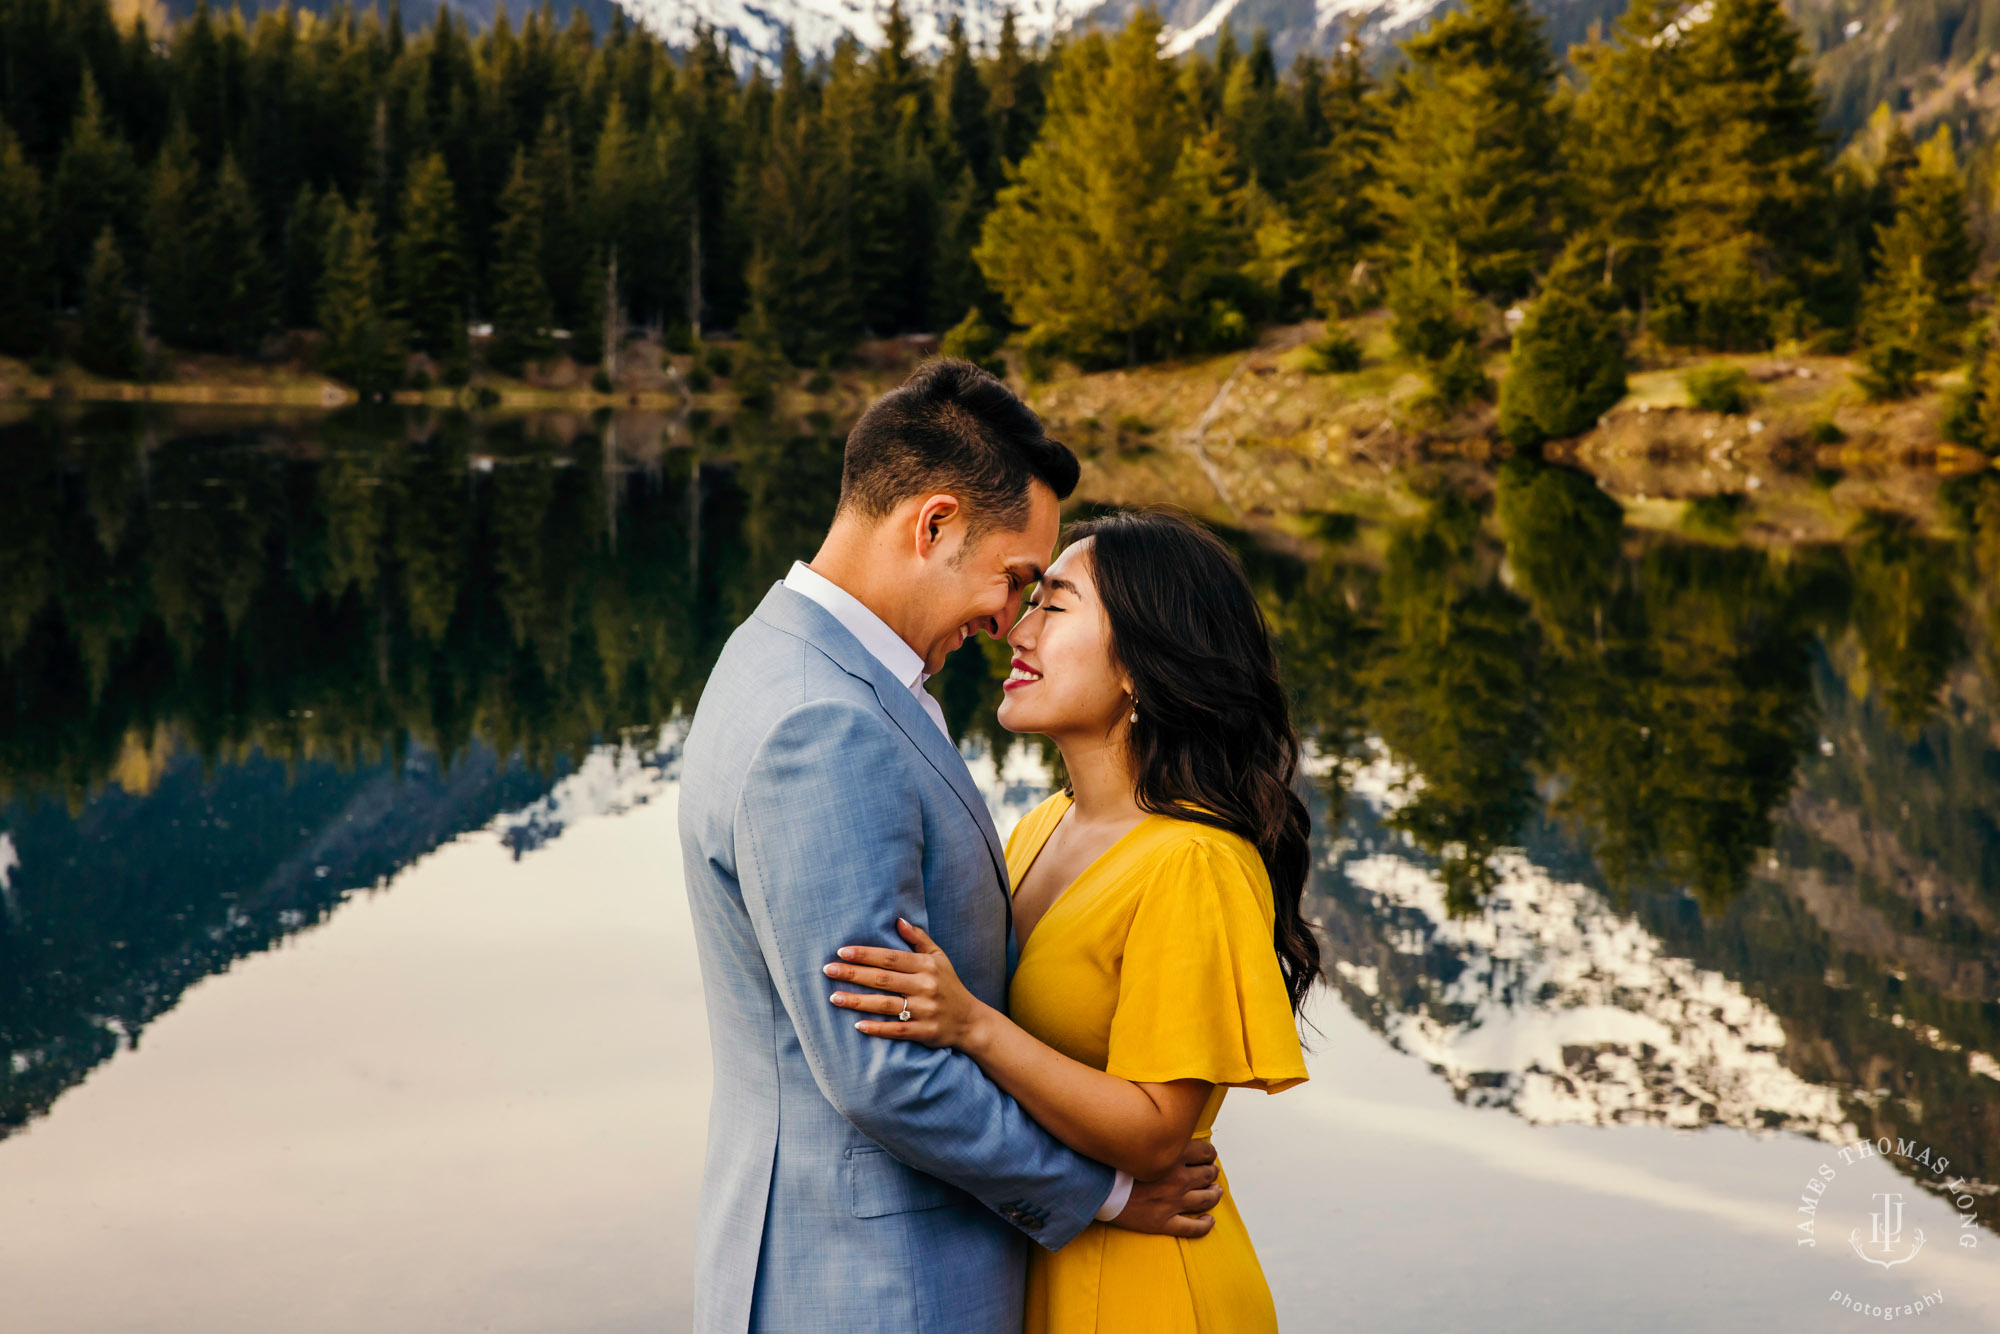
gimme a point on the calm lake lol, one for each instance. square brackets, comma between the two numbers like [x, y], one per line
[346, 979]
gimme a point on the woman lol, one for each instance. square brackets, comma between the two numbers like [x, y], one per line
[1156, 904]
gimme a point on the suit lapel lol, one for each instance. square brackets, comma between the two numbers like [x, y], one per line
[800, 615]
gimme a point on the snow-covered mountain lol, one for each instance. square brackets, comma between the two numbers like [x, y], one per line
[756, 28]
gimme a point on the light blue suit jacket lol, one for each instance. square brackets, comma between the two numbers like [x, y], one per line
[850, 1180]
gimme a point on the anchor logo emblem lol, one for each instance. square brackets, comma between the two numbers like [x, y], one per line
[1886, 1233]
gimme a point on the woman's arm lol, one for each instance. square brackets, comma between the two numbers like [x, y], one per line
[1138, 1128]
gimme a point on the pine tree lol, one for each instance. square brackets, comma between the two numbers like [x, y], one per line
[1973, 419]
[801, 297]
[110, 319]
[1338, 223]
[1121, 234]
[238, 294]
[1470, 173]
[522, 310]
[1748, 185]
[1622, 142]
[173, 220]
[308, 222]
[431, 279]
[24, 276]
[1569, 361]
[94, 186]
[1917, 309]
[1014, 90]
[363, 345]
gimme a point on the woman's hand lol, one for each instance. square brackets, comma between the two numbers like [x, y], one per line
[942, 1012]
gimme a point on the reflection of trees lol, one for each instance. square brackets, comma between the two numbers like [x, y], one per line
[372, 592]
[1452, 693]
[1676, 684]
[1906, 614]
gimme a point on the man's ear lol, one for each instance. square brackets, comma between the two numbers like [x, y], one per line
[934, 520]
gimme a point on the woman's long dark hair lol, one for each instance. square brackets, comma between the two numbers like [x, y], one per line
[1214, 742]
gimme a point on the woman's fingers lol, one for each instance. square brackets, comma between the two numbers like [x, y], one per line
[902, 961]
[847, 1000]
[914, 1031]
[878, 978]
[913, 933]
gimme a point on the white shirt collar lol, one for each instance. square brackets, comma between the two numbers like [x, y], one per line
[885, 644]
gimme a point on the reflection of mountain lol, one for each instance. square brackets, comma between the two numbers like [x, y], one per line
[1552, 1003]
[1547, 1002]
[119, 909]
[612, 778]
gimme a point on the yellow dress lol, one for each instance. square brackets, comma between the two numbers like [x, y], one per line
[1156, 964]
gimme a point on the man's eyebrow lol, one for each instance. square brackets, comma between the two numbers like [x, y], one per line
[1027, 572]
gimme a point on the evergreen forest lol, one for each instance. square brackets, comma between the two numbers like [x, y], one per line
[1669, 183]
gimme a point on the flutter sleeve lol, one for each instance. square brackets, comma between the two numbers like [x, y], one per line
[1200, 994]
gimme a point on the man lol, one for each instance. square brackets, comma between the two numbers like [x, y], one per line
[849, 1181]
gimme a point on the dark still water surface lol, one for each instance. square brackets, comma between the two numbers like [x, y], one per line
[346, 979]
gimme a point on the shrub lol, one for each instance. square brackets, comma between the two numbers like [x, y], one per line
[1824, 432]
[698, 379]
[1568, 367]
[1459, 377]
[819, 382]
[600, 381]
[973, 339]
[1715, 515]
[719, 362]
[1719, 389]
[1339, 353]
[753, 385]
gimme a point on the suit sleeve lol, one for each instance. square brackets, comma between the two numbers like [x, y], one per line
[829, 848]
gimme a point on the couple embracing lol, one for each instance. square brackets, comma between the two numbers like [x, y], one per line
[961, 1087]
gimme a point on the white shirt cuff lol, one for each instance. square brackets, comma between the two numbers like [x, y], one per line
[1120, 1196]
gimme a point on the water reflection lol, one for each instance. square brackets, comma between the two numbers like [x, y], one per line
[1617, 827]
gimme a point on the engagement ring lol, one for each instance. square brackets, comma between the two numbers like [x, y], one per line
[905, 1015]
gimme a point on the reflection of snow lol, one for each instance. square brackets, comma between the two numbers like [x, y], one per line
[614, 777]
[1559, 1008]
[10, 862]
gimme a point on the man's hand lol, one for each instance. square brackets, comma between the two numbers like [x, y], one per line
[1177, 1204]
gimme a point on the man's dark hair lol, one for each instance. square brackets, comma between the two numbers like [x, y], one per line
[952, 428]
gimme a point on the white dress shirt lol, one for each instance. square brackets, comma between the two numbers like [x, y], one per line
[907, 666]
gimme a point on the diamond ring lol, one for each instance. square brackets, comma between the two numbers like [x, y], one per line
[905, 1015]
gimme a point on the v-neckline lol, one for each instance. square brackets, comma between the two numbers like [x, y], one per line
[1067, 891]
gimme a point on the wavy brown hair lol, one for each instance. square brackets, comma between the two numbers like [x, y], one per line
[1214, 742]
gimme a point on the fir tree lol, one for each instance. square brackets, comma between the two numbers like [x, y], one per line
[109, 333]
[93, 188]
[1917, 309]
[1338, 223]
[522, 310]
[308, 222]
[1748, 183]
[1622, 142]
[172, 223]
[1014, 90]
[1121, 234]
[236, 283]
[363, 345]
[1973, 418]
[800, 294]
[24, 276]
[430, 266]
[1470, 174]
[1569, 361]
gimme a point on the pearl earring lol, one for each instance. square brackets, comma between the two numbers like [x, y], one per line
[1135, 708]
